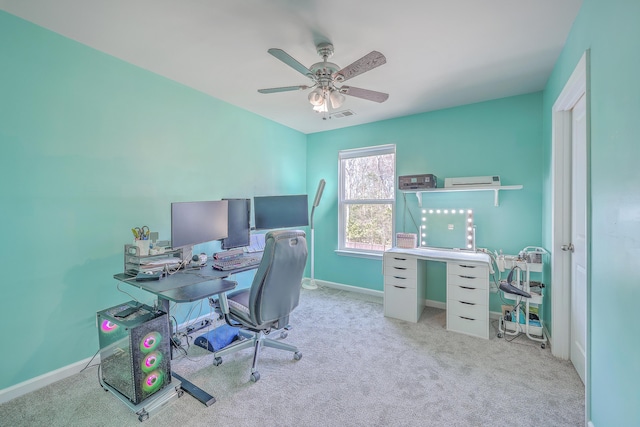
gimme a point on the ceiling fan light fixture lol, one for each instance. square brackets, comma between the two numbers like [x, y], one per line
[316, 97]
[322, 108]
[336, 98]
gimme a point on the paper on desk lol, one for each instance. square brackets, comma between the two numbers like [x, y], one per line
[256, 244]
[162, 261]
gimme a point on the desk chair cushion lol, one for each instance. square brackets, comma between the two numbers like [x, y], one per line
[239, 304]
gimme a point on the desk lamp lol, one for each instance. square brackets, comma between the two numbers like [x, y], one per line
[311, 284]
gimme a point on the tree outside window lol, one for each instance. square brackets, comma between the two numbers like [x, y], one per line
[367, 194]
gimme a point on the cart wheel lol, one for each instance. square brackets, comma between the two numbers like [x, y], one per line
[543, 345]
[297, 355]
[499, 334]
[217, 361]
[255, 376]
[143, 417]
[179, 392]
[283, 334]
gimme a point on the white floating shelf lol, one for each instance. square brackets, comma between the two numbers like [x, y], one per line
[496, 190]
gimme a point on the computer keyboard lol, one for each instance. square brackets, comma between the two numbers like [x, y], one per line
[235, 263]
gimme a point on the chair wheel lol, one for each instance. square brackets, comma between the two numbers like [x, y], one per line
[543, 345]
[500, 335]
[255, 376]
[297, 355]
[217, 361]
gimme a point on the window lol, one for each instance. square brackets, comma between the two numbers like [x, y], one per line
[366, 199]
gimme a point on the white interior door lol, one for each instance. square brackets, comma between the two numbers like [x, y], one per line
[578, 349]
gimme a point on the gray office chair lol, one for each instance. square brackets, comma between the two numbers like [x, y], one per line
[265, 307]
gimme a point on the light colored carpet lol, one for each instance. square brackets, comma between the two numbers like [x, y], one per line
[358, 369]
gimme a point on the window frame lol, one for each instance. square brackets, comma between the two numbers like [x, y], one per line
[342, 203]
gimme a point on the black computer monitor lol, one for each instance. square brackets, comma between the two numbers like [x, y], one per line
[280, 211]
[239, 224]
[198, 222]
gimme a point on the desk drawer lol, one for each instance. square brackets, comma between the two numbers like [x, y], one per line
[468, 270]
[401, 272]
[468, 294]
[398, 280]
[468, 281]
[467, 309]
[466, 325]
[402, 303]
[399, 262]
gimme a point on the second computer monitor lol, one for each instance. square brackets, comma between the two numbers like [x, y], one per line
[239, 224]
[280, 211]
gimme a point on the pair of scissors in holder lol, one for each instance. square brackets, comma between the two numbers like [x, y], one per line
[141, 233]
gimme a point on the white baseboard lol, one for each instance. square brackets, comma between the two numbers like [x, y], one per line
[44, 380]
[349, 288]
[435, 304]
[48, 378]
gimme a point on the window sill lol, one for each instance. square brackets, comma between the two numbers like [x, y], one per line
[359, 254]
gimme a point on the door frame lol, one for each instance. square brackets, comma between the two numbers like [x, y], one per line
[576, 86]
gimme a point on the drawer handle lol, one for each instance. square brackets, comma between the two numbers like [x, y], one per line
[466, 318]
[467, 288]
[399, 287]
[468, 303]
[468, 277]
[398, 277]
[467, 266]
[400, 259]
[400, 268]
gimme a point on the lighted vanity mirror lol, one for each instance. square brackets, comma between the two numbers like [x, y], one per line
[447, 228]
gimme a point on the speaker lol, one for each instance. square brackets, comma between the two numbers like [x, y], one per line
[135, 356]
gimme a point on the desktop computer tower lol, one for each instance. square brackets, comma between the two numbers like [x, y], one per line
[135, 357]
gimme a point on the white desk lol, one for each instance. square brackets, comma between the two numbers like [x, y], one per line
[467, 287]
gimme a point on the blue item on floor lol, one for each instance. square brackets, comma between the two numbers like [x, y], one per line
[218, 338]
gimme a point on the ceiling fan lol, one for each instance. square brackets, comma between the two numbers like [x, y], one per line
[326, 75]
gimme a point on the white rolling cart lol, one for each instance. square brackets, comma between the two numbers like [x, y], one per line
[529, 261]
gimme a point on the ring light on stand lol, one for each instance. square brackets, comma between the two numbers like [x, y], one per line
[311, 284]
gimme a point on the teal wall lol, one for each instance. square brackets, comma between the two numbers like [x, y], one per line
[92, 146]
[611, 32]
[500, 137]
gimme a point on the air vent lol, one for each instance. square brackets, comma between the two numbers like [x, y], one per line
[341, 114]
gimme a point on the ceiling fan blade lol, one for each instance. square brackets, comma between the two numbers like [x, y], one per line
[283, 89]
[370, 95]
[364, 64]
[290, 61]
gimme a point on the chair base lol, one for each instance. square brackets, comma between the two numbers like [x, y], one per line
[256, 340]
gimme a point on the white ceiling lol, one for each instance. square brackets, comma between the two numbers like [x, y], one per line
[439, 53]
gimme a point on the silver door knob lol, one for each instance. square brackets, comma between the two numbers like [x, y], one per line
[568, 247]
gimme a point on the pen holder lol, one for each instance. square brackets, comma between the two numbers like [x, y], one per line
[143, 246]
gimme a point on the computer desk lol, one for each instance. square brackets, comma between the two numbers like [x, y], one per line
[188, 285]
